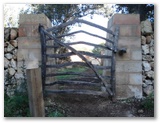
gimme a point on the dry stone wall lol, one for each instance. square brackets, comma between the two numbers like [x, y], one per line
[10, 59]
[147, 42]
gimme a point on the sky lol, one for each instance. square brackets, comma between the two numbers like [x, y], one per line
[97, 19]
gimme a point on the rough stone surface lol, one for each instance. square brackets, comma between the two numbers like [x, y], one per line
[13, 34]
[143, 40]
[148, 82]
[146, 66]
[14, 43]
[11, 71]
[13, 64]
[6, 34]
[148, 39]
[150, 74]
[6, 63]
[152, 65]
[146, 27]
[10, 48]
[8, 56]
[148, 90]
[145, 49]
[147, 58]
[151, 51]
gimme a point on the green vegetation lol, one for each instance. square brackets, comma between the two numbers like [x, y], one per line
[56, 113]
[16, 106]
[148, 103]
[74, 69]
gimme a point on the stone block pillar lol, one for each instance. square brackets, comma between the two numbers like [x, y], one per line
[29, 45]
[129, 66]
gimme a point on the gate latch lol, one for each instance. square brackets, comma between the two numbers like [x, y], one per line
[121, 51]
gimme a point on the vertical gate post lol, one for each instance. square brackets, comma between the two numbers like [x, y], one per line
[35, 93]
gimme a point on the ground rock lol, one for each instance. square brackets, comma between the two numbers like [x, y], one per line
[143, 40]
[8, 56]
[150, 74]
[14, 43]
[6, 63]
[147, 57]
[148, 90]
[10, 48]
[146, 66]
[13, 34]
[11, 71]
[146, 27]
[145, 49]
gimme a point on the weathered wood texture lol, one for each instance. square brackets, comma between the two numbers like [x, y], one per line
[34, 83]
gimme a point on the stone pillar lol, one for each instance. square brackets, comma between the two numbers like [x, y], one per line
[129, 66]
[29, 45]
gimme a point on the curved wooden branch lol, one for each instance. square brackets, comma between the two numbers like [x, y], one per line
[81, 31]
[80, 21]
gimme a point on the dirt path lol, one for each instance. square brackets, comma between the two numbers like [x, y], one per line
[95, 106]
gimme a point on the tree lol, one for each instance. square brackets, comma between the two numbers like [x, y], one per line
[97, 50]
[61, 13]
[146, 11]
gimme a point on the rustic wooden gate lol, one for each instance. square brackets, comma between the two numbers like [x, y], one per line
[104, 83]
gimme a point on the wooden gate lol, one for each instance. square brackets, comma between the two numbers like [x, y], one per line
[92, 76]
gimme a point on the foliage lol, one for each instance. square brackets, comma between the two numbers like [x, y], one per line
[146, 11]
[56, 113]
[61, 13]
[148, 103]
[16, 106]
[97, 50]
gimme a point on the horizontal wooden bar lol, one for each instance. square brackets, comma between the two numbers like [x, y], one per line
[73, 82]
[91, 44]
[82, 52]
[81, 31]
[75, 91]
[75, 73]
[76, 63]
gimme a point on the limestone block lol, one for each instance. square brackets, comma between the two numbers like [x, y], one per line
[28, 42]
[130, 42]
[121, 19]
[122, 78]
[128, 91]
[135, 79]
[130, 30]
[136, 55]
[128, 66]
